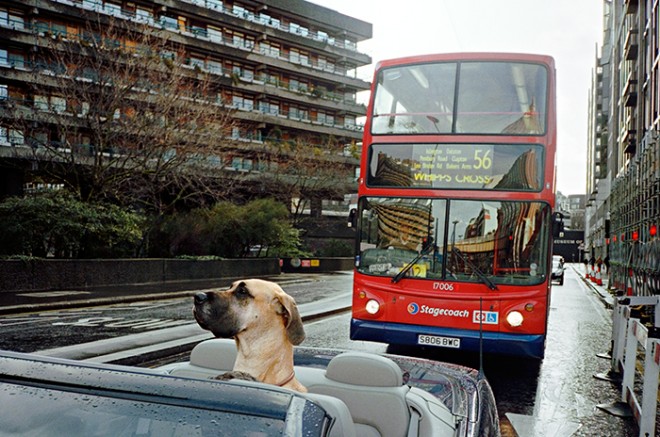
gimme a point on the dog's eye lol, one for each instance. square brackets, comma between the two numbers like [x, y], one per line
[242, 291]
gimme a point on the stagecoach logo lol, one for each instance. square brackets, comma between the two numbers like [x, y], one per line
[413, 309]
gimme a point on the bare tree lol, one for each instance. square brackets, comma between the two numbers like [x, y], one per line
[300, 169]
[114, 112]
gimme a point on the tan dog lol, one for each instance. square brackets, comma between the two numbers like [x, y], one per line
[265, 323]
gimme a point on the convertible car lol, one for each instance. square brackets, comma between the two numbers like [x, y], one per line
[350, 394]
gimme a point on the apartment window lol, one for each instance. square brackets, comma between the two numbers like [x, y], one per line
[12, 19]
[16, 137]
[214, 4]
[214, 34]
[298, 29]
[294, 56]
[58, 104]
[16, 59]
[269, 21]
[4, 92]
[321, 36]
[112, 8]
[144, 15]
[298, 113]
[41, 102]
[269, 108]
[169, 22]
[324, 118]
[242, 12]
[214, 66]
[239, 163]
[4, 57]
[270, 49]
[241, 102]
[198, 30]
[197, 61]
[92, 4]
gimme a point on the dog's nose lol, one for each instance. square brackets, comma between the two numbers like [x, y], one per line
[201, 298]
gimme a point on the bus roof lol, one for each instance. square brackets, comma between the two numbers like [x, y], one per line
[468, 56]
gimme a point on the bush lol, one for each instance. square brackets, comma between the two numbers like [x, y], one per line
[55, 224]
[227, 230]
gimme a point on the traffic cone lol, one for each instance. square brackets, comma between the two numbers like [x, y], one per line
[599, 280]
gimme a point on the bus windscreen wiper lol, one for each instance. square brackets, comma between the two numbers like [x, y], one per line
[425, 250]
[485, 279]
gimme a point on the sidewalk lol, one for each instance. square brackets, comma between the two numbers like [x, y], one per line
[603, 291]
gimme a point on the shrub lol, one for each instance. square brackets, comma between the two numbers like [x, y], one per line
[55, 224]
[227, 230]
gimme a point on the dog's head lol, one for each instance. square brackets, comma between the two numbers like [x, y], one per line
[249, 306]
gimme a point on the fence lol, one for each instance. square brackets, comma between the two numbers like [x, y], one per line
[630, 335]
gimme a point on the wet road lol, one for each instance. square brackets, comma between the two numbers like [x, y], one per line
[553, 398]
[556, 397]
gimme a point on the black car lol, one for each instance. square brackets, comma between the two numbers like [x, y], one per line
[48, 397]
[350, 394]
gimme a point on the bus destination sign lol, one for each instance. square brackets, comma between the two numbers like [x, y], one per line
[456, 166]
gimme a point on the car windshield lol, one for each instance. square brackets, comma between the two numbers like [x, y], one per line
[491, 242]
[39, 412]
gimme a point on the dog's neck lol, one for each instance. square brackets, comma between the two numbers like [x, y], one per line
[269, 360]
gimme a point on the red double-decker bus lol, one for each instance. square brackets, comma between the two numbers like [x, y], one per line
[455, 198]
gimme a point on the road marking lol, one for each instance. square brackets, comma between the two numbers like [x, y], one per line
[53, 294]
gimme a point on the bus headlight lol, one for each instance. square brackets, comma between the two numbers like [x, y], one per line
[372, 306]
[514, 318]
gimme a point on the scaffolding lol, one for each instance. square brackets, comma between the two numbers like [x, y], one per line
[635, 213]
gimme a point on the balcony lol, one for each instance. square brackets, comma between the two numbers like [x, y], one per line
[630, 92]
[630, 45]
[630, 6]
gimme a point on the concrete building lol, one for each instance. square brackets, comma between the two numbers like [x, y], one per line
[288, 69]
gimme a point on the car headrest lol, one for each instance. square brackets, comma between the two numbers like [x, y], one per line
[218, 353]
[360, 368]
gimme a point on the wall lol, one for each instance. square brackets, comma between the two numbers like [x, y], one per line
[20, 275]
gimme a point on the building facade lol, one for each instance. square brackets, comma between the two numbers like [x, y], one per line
[287, 69]
[624, 152]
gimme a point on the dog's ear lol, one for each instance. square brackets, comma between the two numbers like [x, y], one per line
[287, 308]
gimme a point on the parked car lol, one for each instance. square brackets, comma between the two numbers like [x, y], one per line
[350, 393]
[558, 269]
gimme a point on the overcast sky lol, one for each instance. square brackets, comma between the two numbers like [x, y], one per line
[568, 30]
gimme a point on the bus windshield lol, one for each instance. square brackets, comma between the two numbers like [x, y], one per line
[467, 97]
[482, 241]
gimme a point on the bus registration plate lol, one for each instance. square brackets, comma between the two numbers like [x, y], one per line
[432, 340]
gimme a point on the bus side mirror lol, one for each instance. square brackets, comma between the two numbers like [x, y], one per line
[352, 218]
[557, 224]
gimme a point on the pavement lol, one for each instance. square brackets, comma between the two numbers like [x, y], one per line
[150, 346]
[606, 294]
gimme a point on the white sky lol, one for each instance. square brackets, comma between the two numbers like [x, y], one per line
[568, 30]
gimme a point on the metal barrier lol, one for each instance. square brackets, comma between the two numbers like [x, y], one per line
[628, 335]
